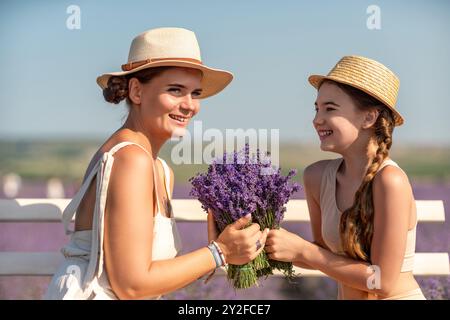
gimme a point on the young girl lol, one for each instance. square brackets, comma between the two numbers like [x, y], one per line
[362, 209]
[126, 241]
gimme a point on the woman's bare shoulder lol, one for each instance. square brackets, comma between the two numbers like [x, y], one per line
[123, 135]
[131, 181]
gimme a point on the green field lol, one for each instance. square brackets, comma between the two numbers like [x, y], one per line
[68, 159]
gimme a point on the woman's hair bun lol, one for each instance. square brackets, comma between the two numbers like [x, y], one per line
[117, 89]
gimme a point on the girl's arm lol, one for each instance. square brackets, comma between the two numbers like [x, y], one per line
[129, 236]
[312, 177]
[392, 197]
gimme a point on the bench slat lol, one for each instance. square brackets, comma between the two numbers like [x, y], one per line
[188, 210]
[29, 263]
[50, 210]
[45, 264]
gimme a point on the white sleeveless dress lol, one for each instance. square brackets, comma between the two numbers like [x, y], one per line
[82, 274]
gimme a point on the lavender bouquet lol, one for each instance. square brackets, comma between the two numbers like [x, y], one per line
[239, 184]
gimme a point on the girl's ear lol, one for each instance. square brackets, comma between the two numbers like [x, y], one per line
[370, 118]
[135, 91]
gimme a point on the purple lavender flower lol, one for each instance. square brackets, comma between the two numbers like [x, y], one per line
[238, 184]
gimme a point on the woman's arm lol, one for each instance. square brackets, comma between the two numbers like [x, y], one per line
[392, 203]
[129, 236]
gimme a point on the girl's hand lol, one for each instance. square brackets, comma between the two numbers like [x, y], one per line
[283, 245]
[213, 232]
[239, 244]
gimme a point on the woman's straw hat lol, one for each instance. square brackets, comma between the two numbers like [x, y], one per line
[175, 47]
[367, 75]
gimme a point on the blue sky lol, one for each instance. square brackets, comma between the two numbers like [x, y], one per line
[48, 86]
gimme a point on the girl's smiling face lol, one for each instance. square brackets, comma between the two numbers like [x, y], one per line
[338, 120]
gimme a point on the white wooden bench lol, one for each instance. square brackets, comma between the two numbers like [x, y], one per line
[186, 210]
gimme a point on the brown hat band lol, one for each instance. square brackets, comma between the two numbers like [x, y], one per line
[133, 65]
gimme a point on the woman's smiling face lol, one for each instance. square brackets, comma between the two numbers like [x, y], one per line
[338, 120]
[168, 101]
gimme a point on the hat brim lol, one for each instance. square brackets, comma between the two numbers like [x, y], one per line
[213, 80]
[316, 80]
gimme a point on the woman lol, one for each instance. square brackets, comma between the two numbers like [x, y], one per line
[125, 241]
[362, 208]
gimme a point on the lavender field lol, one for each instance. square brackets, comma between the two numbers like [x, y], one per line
[50, 237]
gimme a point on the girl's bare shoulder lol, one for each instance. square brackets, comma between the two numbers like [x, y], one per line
[312, 177]
[313, 173]
[391, 177]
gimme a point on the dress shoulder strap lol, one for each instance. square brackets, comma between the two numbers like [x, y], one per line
[328, 179]
[120, 145]
[388, 162]
[73, 205]
[166, 177]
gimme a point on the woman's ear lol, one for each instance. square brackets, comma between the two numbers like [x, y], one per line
[135, 91]
[370, 118]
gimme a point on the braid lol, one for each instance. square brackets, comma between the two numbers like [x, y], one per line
[356, 224]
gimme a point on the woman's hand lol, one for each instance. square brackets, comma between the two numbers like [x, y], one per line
[283, 245]
[239, 244]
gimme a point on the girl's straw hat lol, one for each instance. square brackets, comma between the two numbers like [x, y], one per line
[175, 47]
[367, 75]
